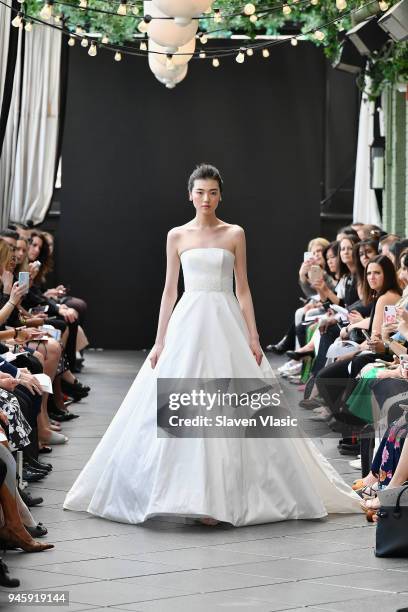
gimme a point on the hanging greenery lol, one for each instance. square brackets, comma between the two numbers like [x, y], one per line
[331, 18]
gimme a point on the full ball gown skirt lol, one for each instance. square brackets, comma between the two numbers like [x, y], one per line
[134, 475]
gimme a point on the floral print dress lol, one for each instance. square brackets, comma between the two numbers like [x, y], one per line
[18, 428]
[389, 452]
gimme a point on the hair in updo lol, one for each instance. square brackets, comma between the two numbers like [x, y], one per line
[205, 171]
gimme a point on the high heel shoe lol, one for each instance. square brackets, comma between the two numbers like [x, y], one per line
[56, 438]
[5, 579]
[298, 355]
[22, 539]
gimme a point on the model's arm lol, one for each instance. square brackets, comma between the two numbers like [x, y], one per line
[169, 296]
[244, 294]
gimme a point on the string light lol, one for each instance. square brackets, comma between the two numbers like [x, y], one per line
[286, 10]
[203, 39]
[143, 25]
[216, 62]
[169, 62]
[249, 9]
[93, 49]
[83, 4]
[265, 53]
[78, 30]
[383, 5]
[122, 9]
[341, 5]
[217, 16]
[84, 42]
[253, 18]
[240, 59]
[57, 19]
[314, 2]
[71, 41]
[319, 35]
[46, 11]
[28, 26]
[202, 55]
[294, 42]
[118, 56]
[143, 46]
[105, 39]
[250, 51]
[135, 9]
[18, 20]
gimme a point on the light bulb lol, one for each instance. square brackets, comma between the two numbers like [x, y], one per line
[319, 35]
[84, 42]
[57, 19]
[169, 62]
[93, 50]
[122, 9]
[17, 21]
[383, 5]
[249, 9]
[78, 30]
[265, 53]
[20, 1]
[286, 10]
[46, 11]
[105, 39]
[118, 56]
[143, 26]
[28, 26]
[250, 51]
[240, 58]
[216, 62]
[253, 18]
[314, 2]
[341, 5]
[143, 46]
[217, 16]
[71, 41]
[204, 39]
[294, 42]
[83, 4]
[135, 10]
[202, 55]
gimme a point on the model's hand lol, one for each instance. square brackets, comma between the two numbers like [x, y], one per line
[256, 350]
[155, 354]
[8, 383]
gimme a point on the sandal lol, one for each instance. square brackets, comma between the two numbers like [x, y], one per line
[367, 492]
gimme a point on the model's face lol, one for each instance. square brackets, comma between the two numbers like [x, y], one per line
[331, 261]
[34, 248]
[205, 195]
[346, 251]
[403, 274]
[21, 251]
[366, 253]
[375, 276]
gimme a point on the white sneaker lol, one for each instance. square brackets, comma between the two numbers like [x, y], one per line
[355, 464]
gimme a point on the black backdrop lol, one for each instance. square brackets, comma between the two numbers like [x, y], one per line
[129, 146]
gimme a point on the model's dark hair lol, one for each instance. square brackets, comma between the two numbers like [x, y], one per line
[390, 279]
[205, 171]
[9, 233]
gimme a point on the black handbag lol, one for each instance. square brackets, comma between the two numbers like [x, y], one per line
[392, 530]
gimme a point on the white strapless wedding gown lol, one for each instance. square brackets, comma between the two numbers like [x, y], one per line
[134, 475]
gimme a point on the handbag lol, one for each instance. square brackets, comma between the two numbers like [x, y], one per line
[392, 530]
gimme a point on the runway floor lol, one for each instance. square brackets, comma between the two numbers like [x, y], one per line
[165, 566]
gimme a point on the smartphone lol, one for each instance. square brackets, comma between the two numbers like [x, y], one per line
[307, 255]
[24, 279]
[366, 335]
[315, 274]
[404, 361]
[390, 315]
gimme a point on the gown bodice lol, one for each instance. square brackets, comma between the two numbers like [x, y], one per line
[208, 269]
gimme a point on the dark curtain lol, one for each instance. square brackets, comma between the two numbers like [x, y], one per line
[9, 80]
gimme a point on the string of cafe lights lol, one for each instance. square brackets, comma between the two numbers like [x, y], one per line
[23, 20]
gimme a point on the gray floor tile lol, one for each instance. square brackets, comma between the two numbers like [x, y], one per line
[198, 558]
[390, 581]
[364, 558]
[111, 568]
[200, 581]
[36, 579]
[45, 560]
[383, 603]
